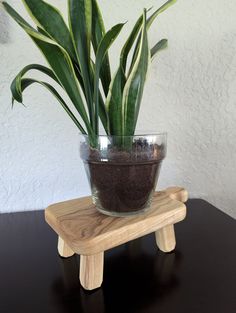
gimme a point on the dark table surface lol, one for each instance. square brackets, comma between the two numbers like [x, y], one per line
[198, 277]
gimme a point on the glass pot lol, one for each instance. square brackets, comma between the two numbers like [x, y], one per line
[123, 171]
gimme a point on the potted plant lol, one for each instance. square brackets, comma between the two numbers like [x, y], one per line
[122, 166]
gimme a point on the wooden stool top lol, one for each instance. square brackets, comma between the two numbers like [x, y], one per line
[87, 232]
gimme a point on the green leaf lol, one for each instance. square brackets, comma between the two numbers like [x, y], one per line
[80, 21]
[114, 98]
[98, 32]
[63, 68]
[150, 20]
[105, 44]
[162, 44]
[98, 27]
[26, 26]
[102, 109]
[114, 102]
[26, 82]
[134, 87]
[164, 7]
[42, 31]
[16, 84]
[15, 15]
[50, 20]
[60, 63]
[130, 41]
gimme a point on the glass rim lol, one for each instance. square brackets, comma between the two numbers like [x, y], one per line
[164, 134]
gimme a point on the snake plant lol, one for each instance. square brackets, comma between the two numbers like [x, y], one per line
[77, 55]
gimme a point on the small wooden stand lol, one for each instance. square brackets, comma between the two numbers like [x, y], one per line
[83, 230]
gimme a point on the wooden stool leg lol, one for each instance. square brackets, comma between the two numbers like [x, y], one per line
[165, 238]
[63, 249]
[91, 270]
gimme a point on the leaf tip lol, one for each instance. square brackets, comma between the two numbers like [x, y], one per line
[2, 4]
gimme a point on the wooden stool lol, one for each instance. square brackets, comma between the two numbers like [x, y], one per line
[83, 230]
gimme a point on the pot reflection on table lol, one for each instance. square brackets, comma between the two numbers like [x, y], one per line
[135, 279]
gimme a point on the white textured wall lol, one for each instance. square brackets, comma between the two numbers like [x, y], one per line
[191, 93]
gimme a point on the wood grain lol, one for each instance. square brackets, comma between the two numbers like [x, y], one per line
[165, 238]
[89, 232]
[177, 193]
[63, 249]
[91, 270]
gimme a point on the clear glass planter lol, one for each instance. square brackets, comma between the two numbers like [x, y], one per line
[123, 171]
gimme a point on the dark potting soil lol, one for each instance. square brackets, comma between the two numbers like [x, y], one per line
[123, 181]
